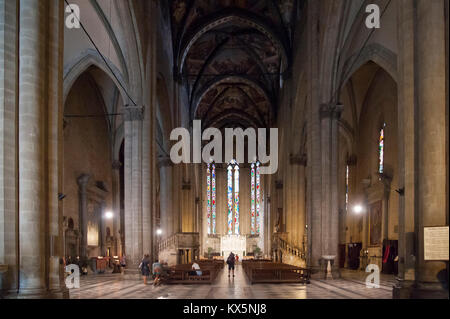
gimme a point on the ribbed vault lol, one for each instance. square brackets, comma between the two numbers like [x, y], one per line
[231, 56]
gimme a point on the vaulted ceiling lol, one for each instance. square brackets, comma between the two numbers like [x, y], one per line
[231, 56]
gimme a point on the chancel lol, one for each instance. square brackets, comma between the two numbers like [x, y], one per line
[209, 146]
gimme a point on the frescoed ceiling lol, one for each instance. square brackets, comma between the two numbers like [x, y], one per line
[231, 56]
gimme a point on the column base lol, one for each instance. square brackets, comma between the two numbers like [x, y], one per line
[62, 293]
[410, 290]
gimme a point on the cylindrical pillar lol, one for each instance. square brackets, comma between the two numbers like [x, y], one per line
[329, 115]
[133, 186]
[32, 191]
[83, 180]
[431, 100]
[166, 203]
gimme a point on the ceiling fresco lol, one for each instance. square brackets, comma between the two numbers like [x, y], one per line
[231, 55]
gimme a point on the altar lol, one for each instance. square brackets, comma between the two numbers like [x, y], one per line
[233, 243]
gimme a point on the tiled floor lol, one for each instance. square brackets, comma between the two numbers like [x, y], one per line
[351, 286]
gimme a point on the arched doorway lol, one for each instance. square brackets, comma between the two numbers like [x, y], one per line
[368, 171]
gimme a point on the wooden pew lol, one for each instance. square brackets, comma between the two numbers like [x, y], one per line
[268, 272]
[180, 274]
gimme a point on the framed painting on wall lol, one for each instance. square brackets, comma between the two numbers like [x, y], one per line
[375, 219]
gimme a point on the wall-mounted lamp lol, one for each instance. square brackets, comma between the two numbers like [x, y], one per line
[159, 232]
[358, 209]
[109, 215]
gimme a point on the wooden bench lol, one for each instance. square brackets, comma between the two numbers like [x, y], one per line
[268, 272]
[217, 264]
[181, 274]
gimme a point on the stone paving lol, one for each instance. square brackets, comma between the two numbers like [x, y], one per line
[350, 286]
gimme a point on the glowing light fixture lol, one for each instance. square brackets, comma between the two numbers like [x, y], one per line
[358, 209]
[109, 215]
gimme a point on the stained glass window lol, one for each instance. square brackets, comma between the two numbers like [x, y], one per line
[381, 145]
[347, 174]
[236, 200]
[252, 192]
[213, 197]
[258, 196]
[208, 197]
[230, 199]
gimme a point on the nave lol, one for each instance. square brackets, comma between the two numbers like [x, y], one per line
[113, 144]
[350, 286]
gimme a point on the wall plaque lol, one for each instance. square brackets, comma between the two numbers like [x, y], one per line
[436, 243]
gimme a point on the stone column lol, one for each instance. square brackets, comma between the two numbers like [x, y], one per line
[297, 172]
[329, 116]
[431, 106]
[313, 136]
[133, 117]
[40, 100]
[83, 181]
[8, 144]
[102, 228]
[166, 202]
[31, 146]
[422, 157]
[116, 165]
[147, 183]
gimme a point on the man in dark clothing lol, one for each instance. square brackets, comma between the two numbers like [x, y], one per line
[230, 262]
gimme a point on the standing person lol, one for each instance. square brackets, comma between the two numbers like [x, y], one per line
[145, 268]
[157, 271]
[230, 261]
[123, 261]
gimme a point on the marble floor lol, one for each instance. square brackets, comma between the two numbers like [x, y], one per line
[350, 286]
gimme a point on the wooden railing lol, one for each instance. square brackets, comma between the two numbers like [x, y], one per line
[291, 249]
[179, 240]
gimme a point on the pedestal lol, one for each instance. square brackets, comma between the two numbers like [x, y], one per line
[328, 269]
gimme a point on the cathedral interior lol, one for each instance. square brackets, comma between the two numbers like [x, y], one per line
[92, 91]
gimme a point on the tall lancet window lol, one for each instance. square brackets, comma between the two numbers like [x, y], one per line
[208, 196]
[213, 198]
[253, 197]
[230, 199]
[381, 145]
[347, 175]
[236, 199]
[258, 197]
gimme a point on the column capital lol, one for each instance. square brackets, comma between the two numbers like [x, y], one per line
[83, 180]
[186, 185]
[298, 159]
[164, 162]
[331, 110]
[279, 184]
[116, 165]
[133, 113]
[352, 160]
